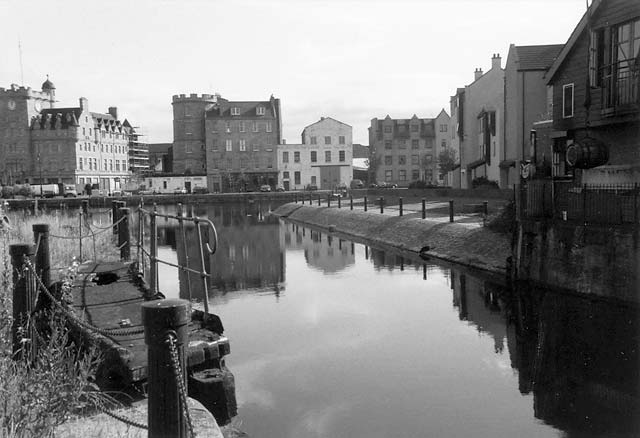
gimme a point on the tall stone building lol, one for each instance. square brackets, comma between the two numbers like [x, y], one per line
[233, 142]
[404, 150]
[41, 143]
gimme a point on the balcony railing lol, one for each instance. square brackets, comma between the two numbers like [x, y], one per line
[620, 85]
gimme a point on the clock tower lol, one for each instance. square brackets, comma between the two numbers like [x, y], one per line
[18, 106]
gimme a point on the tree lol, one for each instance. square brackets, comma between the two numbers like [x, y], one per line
[447, 160]
[374, 163]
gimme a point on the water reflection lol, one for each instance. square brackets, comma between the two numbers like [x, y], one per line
[552, 364]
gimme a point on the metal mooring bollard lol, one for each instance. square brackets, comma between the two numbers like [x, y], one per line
[24, 294]
[339, 202]
[319, 200]
[400, 206]
[43, 259]
[124, 240]
[451, 210]
[329, 200]
[114, 215]
[161, 319]
[381, 199]
[485, 207]
[424, 208]
[365, 203]
[351, 202]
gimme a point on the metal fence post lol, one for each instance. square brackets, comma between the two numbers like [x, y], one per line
[451, 210]
[80, 235]
[381, 199]
[203, 267]
[24, 294]
[85, 208]
[424, 208]
[114, 215]
[183, 235]
[153, 250]
[319, 200]
[351, 202]
[329, 200]
[339, 201]
[124, 240]
[485, 207]
[365, 203]
[42, 258]
[400, 206]
[162, 318]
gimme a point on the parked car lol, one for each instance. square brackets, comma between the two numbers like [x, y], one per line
[180, 191]
[357, 184]
[199, 190]
[70, 191]
[310, 187]
[373, 186]
[280, 188]
[265, 188]
[386, 185]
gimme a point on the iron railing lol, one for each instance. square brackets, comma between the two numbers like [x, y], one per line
[620, 85]
[588, 203]
[151, 274]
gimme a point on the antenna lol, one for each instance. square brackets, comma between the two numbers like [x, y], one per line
[21, 68]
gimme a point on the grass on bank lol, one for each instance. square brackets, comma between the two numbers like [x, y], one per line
[39, 393]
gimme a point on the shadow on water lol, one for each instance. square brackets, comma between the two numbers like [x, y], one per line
[578, 358]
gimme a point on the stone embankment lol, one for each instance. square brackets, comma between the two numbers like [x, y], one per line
[467, 243]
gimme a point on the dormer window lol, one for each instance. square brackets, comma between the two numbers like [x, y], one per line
[235, 111]
[260, 111]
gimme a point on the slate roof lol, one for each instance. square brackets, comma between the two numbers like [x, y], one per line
[537, 57]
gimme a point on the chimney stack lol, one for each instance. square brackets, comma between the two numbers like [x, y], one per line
[477, 74]
[496, 61]
[114, 112]
[84, 104]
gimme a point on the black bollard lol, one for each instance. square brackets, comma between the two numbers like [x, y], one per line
[165, 408]
[351, 202]
[114, 215]
[381, 199]
[451, 210]
[400, 206]
[42, 257]
[24, 294]
[485, 207]
[124, 240]
[339, 202]
[365, 203]
[329, 200]
[424, 208]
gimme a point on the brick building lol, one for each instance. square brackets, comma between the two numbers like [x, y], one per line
[404, 150]
[595, 80]
[46, 144]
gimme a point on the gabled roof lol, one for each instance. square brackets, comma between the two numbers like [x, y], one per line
[322, 119]
[537, 57]
[582, 24]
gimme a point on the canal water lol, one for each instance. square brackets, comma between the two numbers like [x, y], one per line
[331, 338]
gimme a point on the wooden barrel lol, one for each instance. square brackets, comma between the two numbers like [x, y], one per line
[587, 153]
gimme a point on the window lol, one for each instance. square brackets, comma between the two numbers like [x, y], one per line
[388, 160]
[403, 144]
[341, 156]
[285, 174]
[296, 177]
[254, 126]
[341, 139]
[80, 163]
[327, 140]
[414, 159]
[244, 162]
[402, 175]
[241, 127]
[117, 165]
[387, 144]
[314, 156]
[296, 157]
[111, 165]
[443, 144]
[243, 145]
[229, 145]
[415, 174]
[105, 165]
[285, 157]
[402, 160]
[313, 179]
[428, 158]
[415, 144]
[84, 131]
[214, 144]
[388, 175]
[227, 127]
[567, 101]
[387, 129]
[313, 140]
[260, 110]
[327, 156]
[443, 128]
[268, 126]
[414, 128]
[235, 111]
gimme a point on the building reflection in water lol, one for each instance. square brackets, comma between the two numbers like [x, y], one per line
[249, 254]
[323, 252]
[578, 357]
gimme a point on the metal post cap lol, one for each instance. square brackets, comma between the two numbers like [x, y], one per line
[20, 249]
[40, 228]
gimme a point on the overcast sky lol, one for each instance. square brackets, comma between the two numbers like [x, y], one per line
[350, 60]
